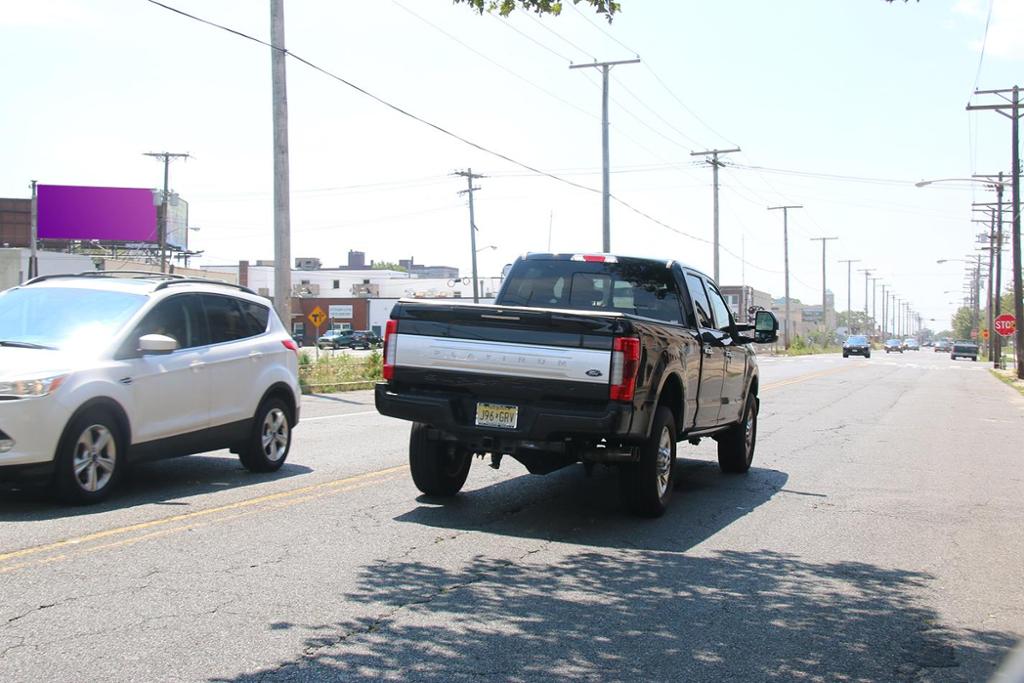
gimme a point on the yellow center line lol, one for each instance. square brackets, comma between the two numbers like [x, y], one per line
[804, 378]
[300, 494]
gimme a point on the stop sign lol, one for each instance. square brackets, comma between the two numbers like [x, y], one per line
[1005, 324]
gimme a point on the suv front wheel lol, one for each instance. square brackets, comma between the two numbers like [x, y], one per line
[267, 446]
[90, 458]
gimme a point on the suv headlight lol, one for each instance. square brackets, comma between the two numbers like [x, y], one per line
[33, 387]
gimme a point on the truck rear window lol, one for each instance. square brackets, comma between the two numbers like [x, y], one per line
[632, 287]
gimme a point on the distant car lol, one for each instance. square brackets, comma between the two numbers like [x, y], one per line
[927, 344]
[360, 339]
[911, 345]
[335, 339]
[964, 348]
[857, 345]
[893, 345]
[943, 346]
[372, 337]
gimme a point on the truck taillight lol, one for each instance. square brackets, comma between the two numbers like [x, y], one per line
[390, 346]
[625, 365]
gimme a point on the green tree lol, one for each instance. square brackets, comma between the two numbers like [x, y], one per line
[961, 322]
[387, 265]
[858, 322]
[505, 7]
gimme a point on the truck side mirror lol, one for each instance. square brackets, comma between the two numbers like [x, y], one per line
[766, 327]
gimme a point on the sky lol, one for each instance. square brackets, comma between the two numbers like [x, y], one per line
[837, 106]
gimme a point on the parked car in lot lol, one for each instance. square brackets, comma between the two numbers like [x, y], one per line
[893, 345]
[335, 339]
[857, 345]
[141, 366]
[911, 344]
[589, 358]
[964, 348]
[372, 337]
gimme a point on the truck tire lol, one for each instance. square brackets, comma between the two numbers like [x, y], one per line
[647, 484]
[438, 468]
[736, 446]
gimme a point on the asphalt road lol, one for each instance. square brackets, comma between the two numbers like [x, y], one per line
[877, 538]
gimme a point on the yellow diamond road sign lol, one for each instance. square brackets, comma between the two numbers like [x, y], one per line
[317, 316]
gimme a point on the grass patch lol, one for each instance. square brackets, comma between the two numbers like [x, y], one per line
[339, 372]
[1009, 377]
[809, 350]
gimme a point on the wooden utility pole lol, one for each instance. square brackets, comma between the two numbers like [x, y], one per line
[715, 164]
[470, 177]
[282, 204]
[606, 225]
[849, 292]
[824, 289]
[166, 157]
[785, 251]
[1011, 110]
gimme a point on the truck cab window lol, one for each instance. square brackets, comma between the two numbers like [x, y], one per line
[700, 300]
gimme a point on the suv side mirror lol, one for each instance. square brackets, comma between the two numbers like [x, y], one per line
[157, 344]
[766, 327]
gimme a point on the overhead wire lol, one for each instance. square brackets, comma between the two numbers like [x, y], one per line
[561, 37]
[423, 121]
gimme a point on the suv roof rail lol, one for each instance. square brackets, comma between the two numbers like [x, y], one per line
[202, 281]
[138, 274]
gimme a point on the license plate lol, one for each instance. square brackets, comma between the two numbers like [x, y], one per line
[495, 415]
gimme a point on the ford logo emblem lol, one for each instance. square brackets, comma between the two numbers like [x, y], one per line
[593, 373]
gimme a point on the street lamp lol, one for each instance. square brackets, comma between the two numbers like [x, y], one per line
[1018, 285]
[489, 246]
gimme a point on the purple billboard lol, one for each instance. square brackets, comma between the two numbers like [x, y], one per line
[116, 214]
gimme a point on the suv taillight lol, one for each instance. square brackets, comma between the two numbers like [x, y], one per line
[390, 346]
[625, 365]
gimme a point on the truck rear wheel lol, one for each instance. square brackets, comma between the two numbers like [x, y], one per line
[647, 484]
[438, 468]
[736, 446]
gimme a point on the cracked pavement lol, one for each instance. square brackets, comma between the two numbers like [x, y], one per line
[877, 538]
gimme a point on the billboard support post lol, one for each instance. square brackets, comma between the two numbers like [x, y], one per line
[33, 236]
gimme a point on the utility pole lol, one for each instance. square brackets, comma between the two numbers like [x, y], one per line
[166, 156]
[997, 287]
[824, 289]
[606, 225]
[874, 297]
[867, 272]
[33, 235]
[715, 164]
[282, 194]
[1013, 105]
[849, 295]
[470, 176]
[884, 319]
[785, 248]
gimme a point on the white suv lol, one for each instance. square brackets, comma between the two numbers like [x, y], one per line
[100, 370]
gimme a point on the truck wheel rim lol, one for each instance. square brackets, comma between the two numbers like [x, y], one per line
[664, 463]
[95, 458]
[275, 435]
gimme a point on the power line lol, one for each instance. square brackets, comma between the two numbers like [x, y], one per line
[609, 35]
[534, 40]
[984, 42]
[504, 68]
[429, 124]
[558, 35]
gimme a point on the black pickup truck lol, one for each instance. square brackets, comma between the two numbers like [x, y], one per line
[587, 358]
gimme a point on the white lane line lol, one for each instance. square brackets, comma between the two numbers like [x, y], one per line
[331, 417]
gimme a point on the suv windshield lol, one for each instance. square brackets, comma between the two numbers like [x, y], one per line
[856, 340]
[65, 318]
[629, 286]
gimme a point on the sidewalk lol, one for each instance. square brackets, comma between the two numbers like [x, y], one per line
[1009, 376]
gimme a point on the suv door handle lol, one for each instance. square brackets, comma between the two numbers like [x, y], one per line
[256, 355]
[196, 366]
[708, 350]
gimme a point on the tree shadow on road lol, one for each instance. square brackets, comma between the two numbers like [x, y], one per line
[642, 605]
[642, 615]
